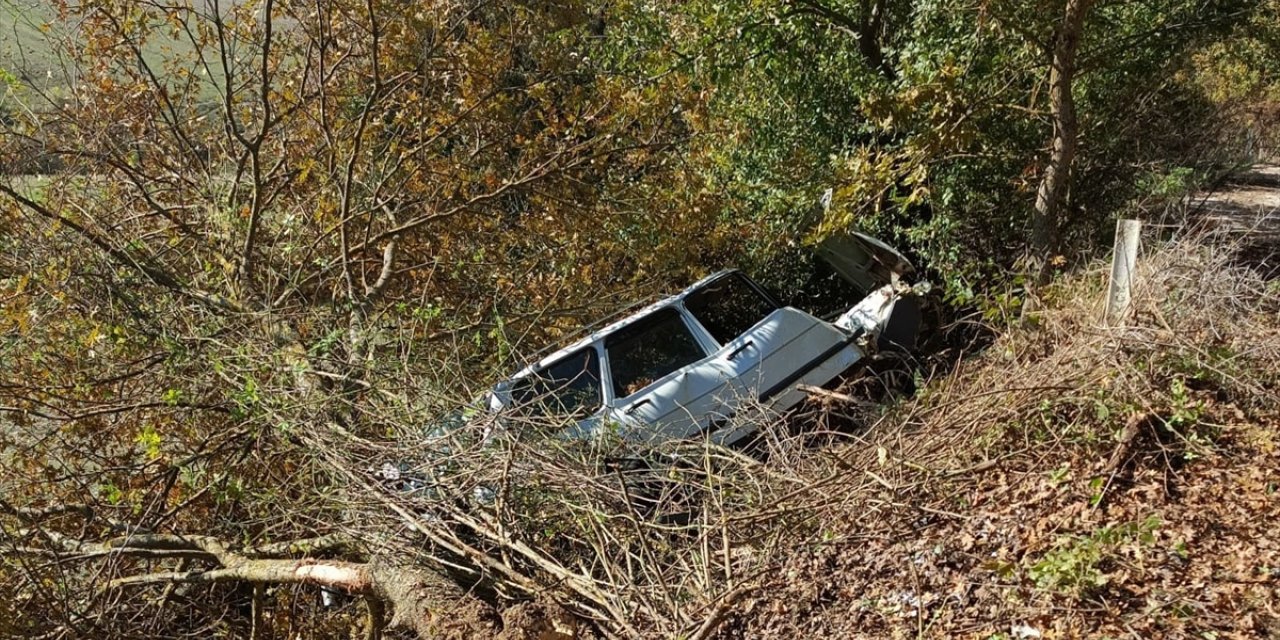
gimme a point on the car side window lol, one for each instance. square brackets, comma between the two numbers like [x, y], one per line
[649, 349]
[728, 307]
[569, 386]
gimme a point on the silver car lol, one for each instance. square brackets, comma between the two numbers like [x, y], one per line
[686, 365]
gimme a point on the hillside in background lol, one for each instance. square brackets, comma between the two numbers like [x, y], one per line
[24, 44]
[36, 42]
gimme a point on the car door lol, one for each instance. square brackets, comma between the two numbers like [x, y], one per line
[765, 347]
[664, 383]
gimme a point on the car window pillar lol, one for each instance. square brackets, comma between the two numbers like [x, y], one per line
[606, 373]
[700, 333]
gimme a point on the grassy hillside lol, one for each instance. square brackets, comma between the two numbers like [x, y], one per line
[23, 44]
[247, 326]
[31, 35]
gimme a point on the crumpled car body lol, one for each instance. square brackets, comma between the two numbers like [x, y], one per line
[686, 365]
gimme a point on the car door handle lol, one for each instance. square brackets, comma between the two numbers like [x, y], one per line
[737, 352]
[636, 407]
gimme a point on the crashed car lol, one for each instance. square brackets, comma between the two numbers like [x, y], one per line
[686, 365]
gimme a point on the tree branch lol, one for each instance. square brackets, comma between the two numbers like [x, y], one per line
[384, 278]
[348, 576]
[144, 265]
[36, 514]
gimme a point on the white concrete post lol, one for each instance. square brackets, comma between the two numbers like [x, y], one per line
[1123, 264]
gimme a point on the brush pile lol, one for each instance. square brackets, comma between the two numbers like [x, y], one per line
[1075, 480]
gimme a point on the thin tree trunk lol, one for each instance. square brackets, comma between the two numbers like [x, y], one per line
[1056, 181]
[869, 43]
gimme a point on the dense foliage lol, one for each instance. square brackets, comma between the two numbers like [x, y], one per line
[240, 238]
[928, 121]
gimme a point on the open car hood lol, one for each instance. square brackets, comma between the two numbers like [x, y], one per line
[865, 262]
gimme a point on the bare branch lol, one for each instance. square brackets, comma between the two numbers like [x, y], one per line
[384, 278]
[36, 514]
[143, 265]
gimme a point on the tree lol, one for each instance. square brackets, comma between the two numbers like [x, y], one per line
[1056, 180]
[216, 311]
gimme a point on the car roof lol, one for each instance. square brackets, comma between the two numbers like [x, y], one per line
[630, 318]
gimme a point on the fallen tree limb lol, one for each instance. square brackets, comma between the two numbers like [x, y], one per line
[832, 395]
[421, 600]
[1132, 429]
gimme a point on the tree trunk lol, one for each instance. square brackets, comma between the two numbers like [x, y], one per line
[869, 42]
[1056, 181]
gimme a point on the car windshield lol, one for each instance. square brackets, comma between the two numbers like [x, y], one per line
[649, 349]
[728, 307]
[568, 386]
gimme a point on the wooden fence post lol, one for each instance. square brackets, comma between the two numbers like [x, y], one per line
[1123, 263]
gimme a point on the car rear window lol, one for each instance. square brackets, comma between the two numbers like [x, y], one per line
[728, 306]
[649, 349]
[569, 386]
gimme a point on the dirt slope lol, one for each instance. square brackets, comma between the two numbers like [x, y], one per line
[1074, 481]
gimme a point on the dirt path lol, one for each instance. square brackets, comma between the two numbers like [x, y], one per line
[1246, 212]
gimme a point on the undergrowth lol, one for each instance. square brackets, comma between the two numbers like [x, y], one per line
[1073, 480]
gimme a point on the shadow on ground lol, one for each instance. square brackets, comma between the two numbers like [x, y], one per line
[1245, 214]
